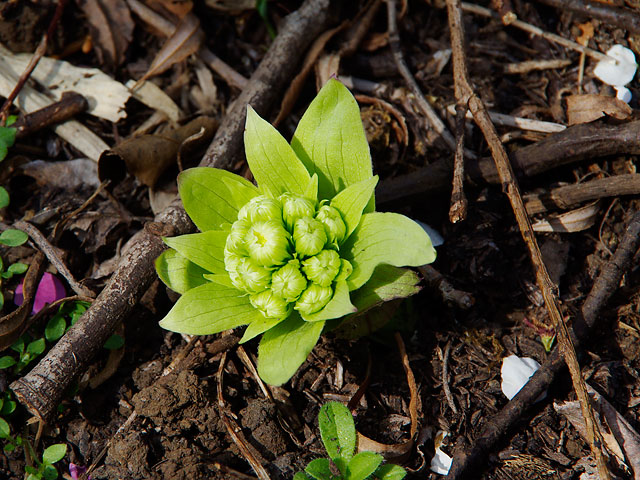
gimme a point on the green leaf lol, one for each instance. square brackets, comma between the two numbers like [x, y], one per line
[208, 309]
[352, 200]
[8, 407]
[385, 238]
[212, 196]
[49, 472]
[273, 163]
[257, 327]
[114, 342]
[331, 142]
[312, 189]
[6, 362]
[220, 279]
[386, 283]
[54, 453]
[301, 476]
[363, 465]
[7, 138]
[18, 268]
[390, 472]
[55, 328]
[339, 305]
[204, 249]
[338, 433]
[5, 429]
[285, 347]
[36, 347]
[4, 197]
[178, 273]
[12, 237]
[319, 469]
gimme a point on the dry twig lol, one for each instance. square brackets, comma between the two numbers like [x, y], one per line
[511, 188]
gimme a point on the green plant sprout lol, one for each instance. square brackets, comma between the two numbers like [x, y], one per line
[338, 433]
[13, 269]
[7, 137]
[44, 468]
[303, 251]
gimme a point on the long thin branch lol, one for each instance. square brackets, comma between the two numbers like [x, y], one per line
[43, 387]
[510, 185]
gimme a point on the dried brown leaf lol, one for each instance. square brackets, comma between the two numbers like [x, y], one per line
[184, 41]
[588, 107]
[179, 8]
[111, 28]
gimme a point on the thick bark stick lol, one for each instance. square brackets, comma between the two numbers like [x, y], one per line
[41, 389]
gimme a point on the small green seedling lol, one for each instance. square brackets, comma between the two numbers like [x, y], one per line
[44, 470]
[338, 433]
[28, 350]
[13, 269]
[7, 137]
[303, 250]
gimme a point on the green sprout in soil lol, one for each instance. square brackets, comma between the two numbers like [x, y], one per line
[338, 434]
[303, 251]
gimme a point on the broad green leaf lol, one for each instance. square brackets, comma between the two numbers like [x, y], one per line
[331, 142]
[210, 308]
[390, 472]
[178, 273]
[18, 268]
[49, 473]
[36, 347]
[205, 249]
[301, 476]
[362, 465]
[212, 196]
[8, 407]
[5, 429]
[114, 342]
[285, 347]
[4, 197]
[339, 305]
[220, 279]
[6, 362]
[257, 327]
[8, 136]
[54, 453]
[55, 328]
[12, 237]
[352, 200]
[319, 469]
[386, 283]
[385, 238]
[338, 433]
[273, 163]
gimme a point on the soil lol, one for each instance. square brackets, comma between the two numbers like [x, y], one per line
[183, 420]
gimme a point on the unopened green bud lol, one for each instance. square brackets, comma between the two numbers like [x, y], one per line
[268, 243]
[232, 260]
[270, 304]
[309, 236]
[260, 209]
[288, 282]
[334, 225]
[237, 281]
[346, 269]
[235, 240]
[322, 268]
[256, 278]
[313, 299]
[295, 207]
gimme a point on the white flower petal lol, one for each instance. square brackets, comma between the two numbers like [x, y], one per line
[619, 73]
[516, 372]
[623, 93]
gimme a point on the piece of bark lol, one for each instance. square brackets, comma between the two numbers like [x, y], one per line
[577, 143]
[467, 460]
[41, 390]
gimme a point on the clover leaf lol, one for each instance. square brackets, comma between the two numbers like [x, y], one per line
[303, 247]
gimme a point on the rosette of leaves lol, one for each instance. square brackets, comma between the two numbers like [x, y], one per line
[302, 248]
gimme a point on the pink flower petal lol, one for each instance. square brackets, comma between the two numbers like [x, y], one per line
[49, 290]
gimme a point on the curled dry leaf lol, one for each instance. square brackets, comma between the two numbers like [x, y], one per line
[148, 156]
[573, 221]
[184, 41]
[111, 28]
[587, 108]
[180, 9]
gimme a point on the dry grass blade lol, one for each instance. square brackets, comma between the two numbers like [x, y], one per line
[185, 40]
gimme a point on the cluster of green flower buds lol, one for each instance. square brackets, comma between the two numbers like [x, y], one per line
[284, 252]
